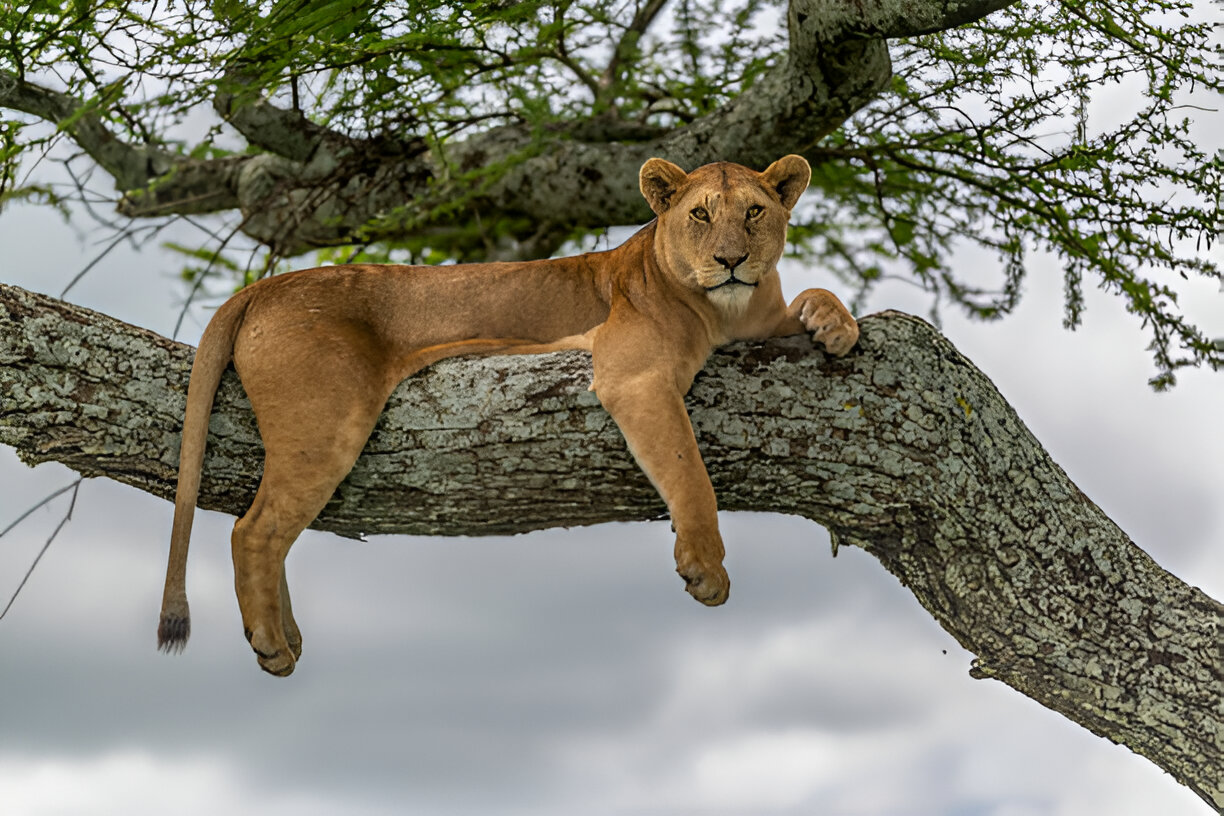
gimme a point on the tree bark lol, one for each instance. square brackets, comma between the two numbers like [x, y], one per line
[904, 449]
[316, 187]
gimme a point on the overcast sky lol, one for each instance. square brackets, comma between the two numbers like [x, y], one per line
[566, 672]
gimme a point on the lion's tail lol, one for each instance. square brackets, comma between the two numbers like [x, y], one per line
[214, 354]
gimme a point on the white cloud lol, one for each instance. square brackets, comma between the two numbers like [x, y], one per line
[137, 783]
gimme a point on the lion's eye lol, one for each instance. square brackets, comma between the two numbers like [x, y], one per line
[755, 210]
[700, 214]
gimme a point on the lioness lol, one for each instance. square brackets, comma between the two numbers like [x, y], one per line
[319, 352]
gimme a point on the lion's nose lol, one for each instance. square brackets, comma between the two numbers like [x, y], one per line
[730, 264]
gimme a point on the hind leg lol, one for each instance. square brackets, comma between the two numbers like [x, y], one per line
[260, 542]
[315, 412]
[295, 487]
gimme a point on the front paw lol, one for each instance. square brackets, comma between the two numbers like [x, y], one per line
[707, 583]
[274, 657]
[830, 323]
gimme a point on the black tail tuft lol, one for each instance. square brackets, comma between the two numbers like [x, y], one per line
[172, 634]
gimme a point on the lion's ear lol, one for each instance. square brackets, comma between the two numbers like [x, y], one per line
[789, 176]
[659, 181]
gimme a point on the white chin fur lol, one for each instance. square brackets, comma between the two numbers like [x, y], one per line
[731, 300]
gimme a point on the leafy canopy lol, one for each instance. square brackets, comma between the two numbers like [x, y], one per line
[1061, 127]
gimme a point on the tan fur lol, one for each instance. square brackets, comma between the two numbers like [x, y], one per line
[319, 351]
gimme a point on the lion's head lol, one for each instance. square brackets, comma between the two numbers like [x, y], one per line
[722, 227]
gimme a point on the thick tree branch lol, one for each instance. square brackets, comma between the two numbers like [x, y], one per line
[131, 166]
[834, 21]
[286, 133]
[318, 188]
[162, 183]
[904, 449]
[191, 186]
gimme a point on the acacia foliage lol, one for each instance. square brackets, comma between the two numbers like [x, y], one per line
[1062, 127]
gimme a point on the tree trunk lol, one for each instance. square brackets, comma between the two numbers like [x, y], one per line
[904, 448]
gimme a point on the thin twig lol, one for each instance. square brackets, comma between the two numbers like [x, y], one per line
[641, 21]
[198, 283]
[125, 234]
[75, 488]
[46, 499]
